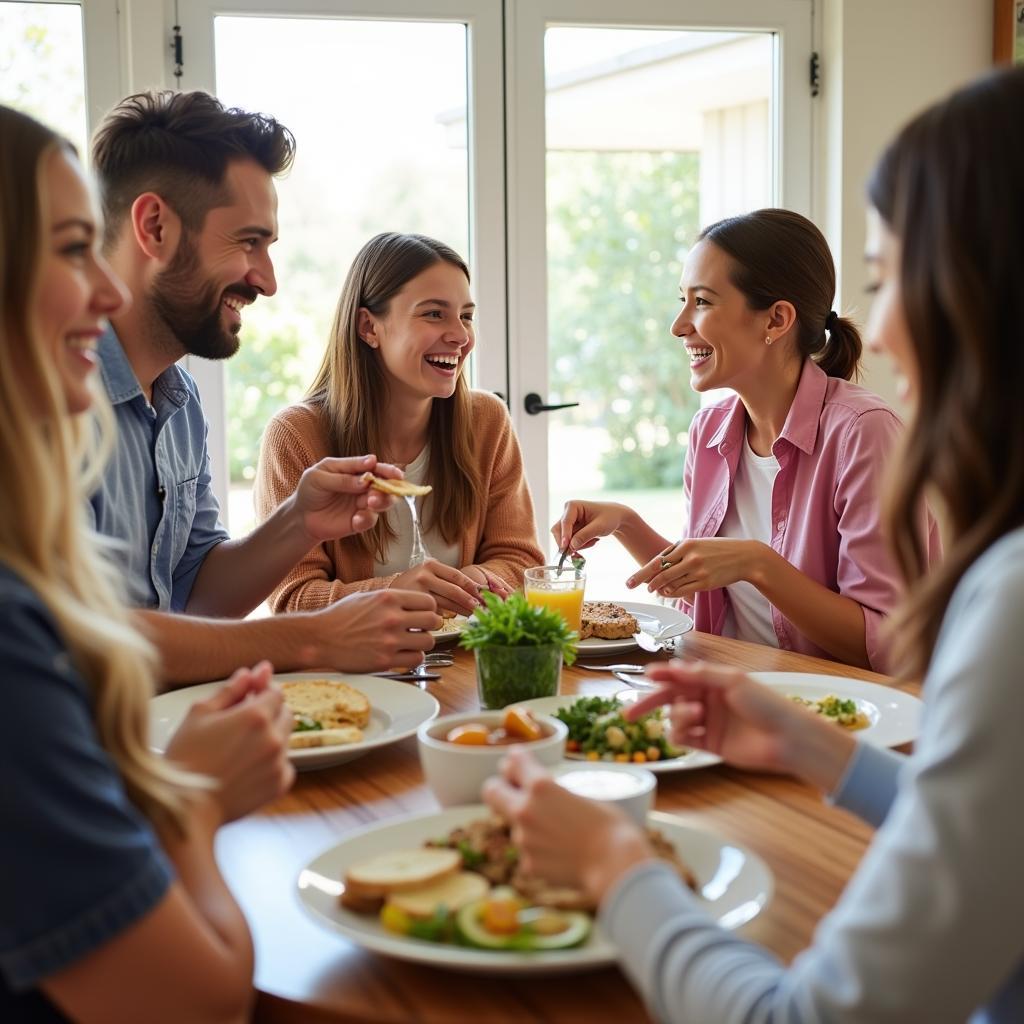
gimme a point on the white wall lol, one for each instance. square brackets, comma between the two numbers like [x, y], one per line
[883, 61]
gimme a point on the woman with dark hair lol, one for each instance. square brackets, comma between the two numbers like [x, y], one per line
[783, 544]
[393, 382]
[931, 927]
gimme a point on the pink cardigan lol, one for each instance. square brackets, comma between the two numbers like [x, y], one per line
[833, 454]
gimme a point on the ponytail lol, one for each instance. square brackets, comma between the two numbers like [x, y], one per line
[838, 348]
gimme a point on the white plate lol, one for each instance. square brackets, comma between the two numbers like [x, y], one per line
[735, 885]
[652, 618]
[694, 759]
[455, 627]
[396, 711]
[895, 716]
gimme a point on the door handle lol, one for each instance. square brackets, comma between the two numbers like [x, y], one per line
[534, 404]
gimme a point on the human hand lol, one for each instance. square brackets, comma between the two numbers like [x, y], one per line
[373, 631]
[239, 738]
[563, 838]
[749, 725]
[488, 580]
[450, 588]
[583, 523]
[702, 564]
[333, 500]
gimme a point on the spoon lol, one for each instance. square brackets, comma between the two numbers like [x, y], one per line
[611, 668]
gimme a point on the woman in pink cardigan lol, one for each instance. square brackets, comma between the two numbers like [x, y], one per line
[783, 544]
[392, 382]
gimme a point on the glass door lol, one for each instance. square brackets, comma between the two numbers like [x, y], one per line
[396, 113]
[626, 137]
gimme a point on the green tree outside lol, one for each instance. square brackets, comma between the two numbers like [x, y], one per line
[619, 226]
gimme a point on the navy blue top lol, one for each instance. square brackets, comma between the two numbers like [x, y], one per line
[79, 863]
[156, 498]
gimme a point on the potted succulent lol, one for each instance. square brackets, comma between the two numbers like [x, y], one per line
[519, 649]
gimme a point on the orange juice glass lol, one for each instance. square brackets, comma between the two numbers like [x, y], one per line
[563, 593]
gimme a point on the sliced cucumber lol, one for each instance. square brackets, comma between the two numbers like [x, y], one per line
[577, 928]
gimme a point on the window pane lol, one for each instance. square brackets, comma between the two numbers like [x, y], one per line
[650, 135]
[374, 154]
[42, 67]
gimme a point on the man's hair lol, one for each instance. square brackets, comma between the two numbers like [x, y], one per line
[179, 145]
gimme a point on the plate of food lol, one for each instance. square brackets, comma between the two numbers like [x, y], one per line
[451, 628]
[444, 889]
[337, 717]
[877, 714]
[598, 732]
[608, 626]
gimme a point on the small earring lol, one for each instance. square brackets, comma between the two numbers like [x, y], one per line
[768, 339]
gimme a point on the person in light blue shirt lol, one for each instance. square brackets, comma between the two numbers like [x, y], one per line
[190, 215]
[156, 498]
[930, 928]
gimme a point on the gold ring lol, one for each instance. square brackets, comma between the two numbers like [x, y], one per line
[666, 564]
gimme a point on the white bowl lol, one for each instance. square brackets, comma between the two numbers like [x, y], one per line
[628, 786]
[456, 772]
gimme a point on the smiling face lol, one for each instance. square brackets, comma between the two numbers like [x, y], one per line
[724, 338]
[887, 331]
[215, 274]
[427, 333]
[77, 290]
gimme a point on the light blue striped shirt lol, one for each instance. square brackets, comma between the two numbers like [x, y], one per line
[931, 927]
[155, 500]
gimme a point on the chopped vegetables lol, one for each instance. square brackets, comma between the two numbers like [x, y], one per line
[598, 731]
[843, 712]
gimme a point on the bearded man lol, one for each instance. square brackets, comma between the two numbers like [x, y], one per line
[190, 212]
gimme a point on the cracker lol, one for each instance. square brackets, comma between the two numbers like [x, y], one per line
[399, 488]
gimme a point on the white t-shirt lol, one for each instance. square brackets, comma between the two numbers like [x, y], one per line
[749, 517]
[400, 521]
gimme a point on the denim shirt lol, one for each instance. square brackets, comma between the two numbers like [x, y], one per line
[155, 499]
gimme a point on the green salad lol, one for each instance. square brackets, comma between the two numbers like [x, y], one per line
[598, 731]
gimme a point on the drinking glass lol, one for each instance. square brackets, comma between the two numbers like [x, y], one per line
[562, 592]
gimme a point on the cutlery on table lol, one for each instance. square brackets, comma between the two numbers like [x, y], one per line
[637, 682]
[610, 668]
[654, 642]
[438, 660]
[411, 676]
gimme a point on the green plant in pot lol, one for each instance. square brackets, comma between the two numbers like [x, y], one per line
[519, 649]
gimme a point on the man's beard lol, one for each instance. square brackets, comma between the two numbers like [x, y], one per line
[191, 311]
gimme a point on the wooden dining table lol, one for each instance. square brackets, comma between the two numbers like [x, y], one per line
[306, 973]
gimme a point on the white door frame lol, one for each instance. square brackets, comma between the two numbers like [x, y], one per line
[789, 20]
[486, 145]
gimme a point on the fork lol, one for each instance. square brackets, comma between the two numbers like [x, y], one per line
[610, 668]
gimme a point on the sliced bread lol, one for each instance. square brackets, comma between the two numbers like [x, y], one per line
[452, 892]
[401, 870]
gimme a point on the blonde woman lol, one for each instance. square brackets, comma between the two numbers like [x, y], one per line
[392, 382]
[106, 863]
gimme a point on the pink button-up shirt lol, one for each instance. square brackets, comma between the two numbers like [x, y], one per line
[833, 453]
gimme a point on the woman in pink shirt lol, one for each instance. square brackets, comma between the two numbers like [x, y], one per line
[783, 543]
